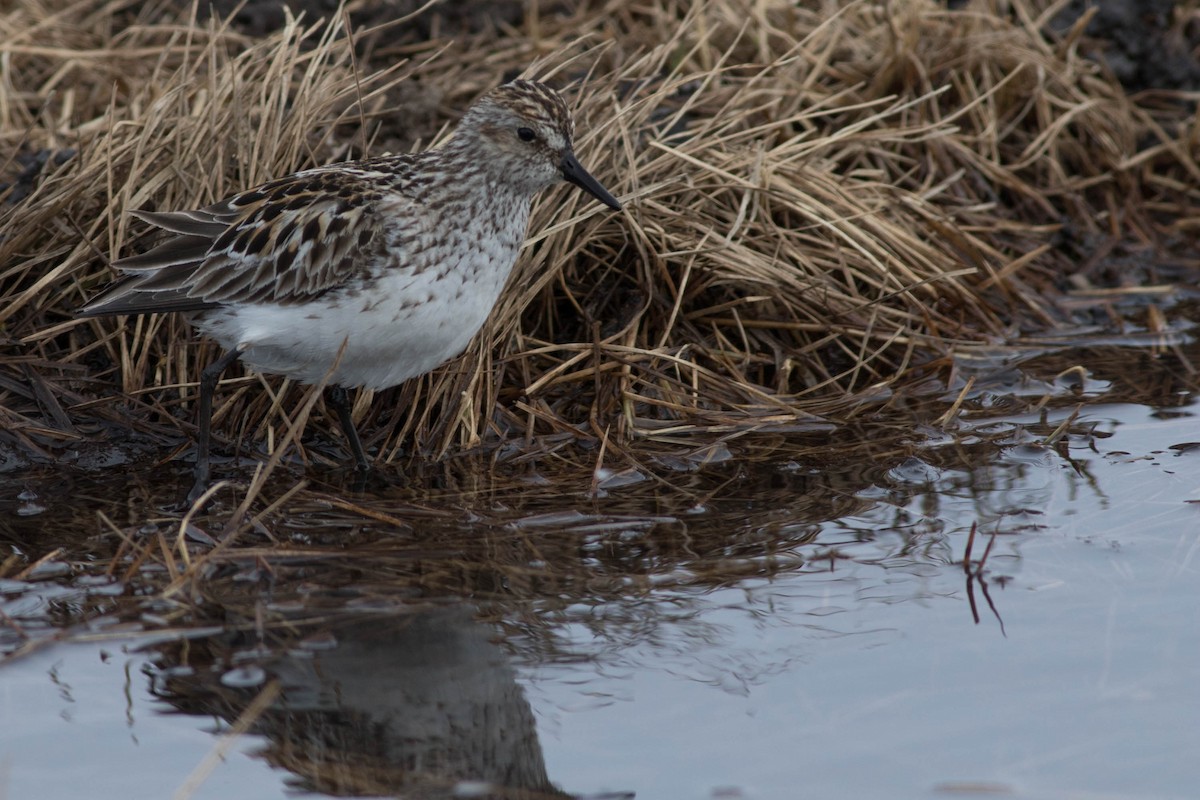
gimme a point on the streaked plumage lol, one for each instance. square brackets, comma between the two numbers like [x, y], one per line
[401, 258]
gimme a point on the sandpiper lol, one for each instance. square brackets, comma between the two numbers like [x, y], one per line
[367, 272]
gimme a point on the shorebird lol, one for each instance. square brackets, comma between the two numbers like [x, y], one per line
[362, 273]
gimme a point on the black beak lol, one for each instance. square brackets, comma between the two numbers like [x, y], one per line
[573, 172]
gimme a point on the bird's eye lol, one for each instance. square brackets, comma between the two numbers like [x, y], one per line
[526, 134]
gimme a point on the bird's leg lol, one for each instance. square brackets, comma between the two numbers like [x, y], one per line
[339, 398]
[208, 384]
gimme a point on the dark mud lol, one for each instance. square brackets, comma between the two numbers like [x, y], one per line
[1147, 44]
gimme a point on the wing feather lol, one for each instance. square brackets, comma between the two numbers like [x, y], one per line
[288, 241]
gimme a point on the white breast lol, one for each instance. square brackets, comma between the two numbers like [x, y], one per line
[415, 313]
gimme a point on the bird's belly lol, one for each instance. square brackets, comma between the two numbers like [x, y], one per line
[393, 330]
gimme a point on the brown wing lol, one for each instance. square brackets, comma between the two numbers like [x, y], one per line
[287, 241]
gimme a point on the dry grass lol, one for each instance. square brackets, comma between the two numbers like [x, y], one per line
[823, 204]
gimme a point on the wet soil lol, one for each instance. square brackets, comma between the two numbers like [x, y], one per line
[1147, 44]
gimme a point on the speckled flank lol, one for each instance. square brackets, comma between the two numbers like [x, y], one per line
[399, 257]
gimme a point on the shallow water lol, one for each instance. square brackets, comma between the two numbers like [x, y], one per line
[768, 628]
